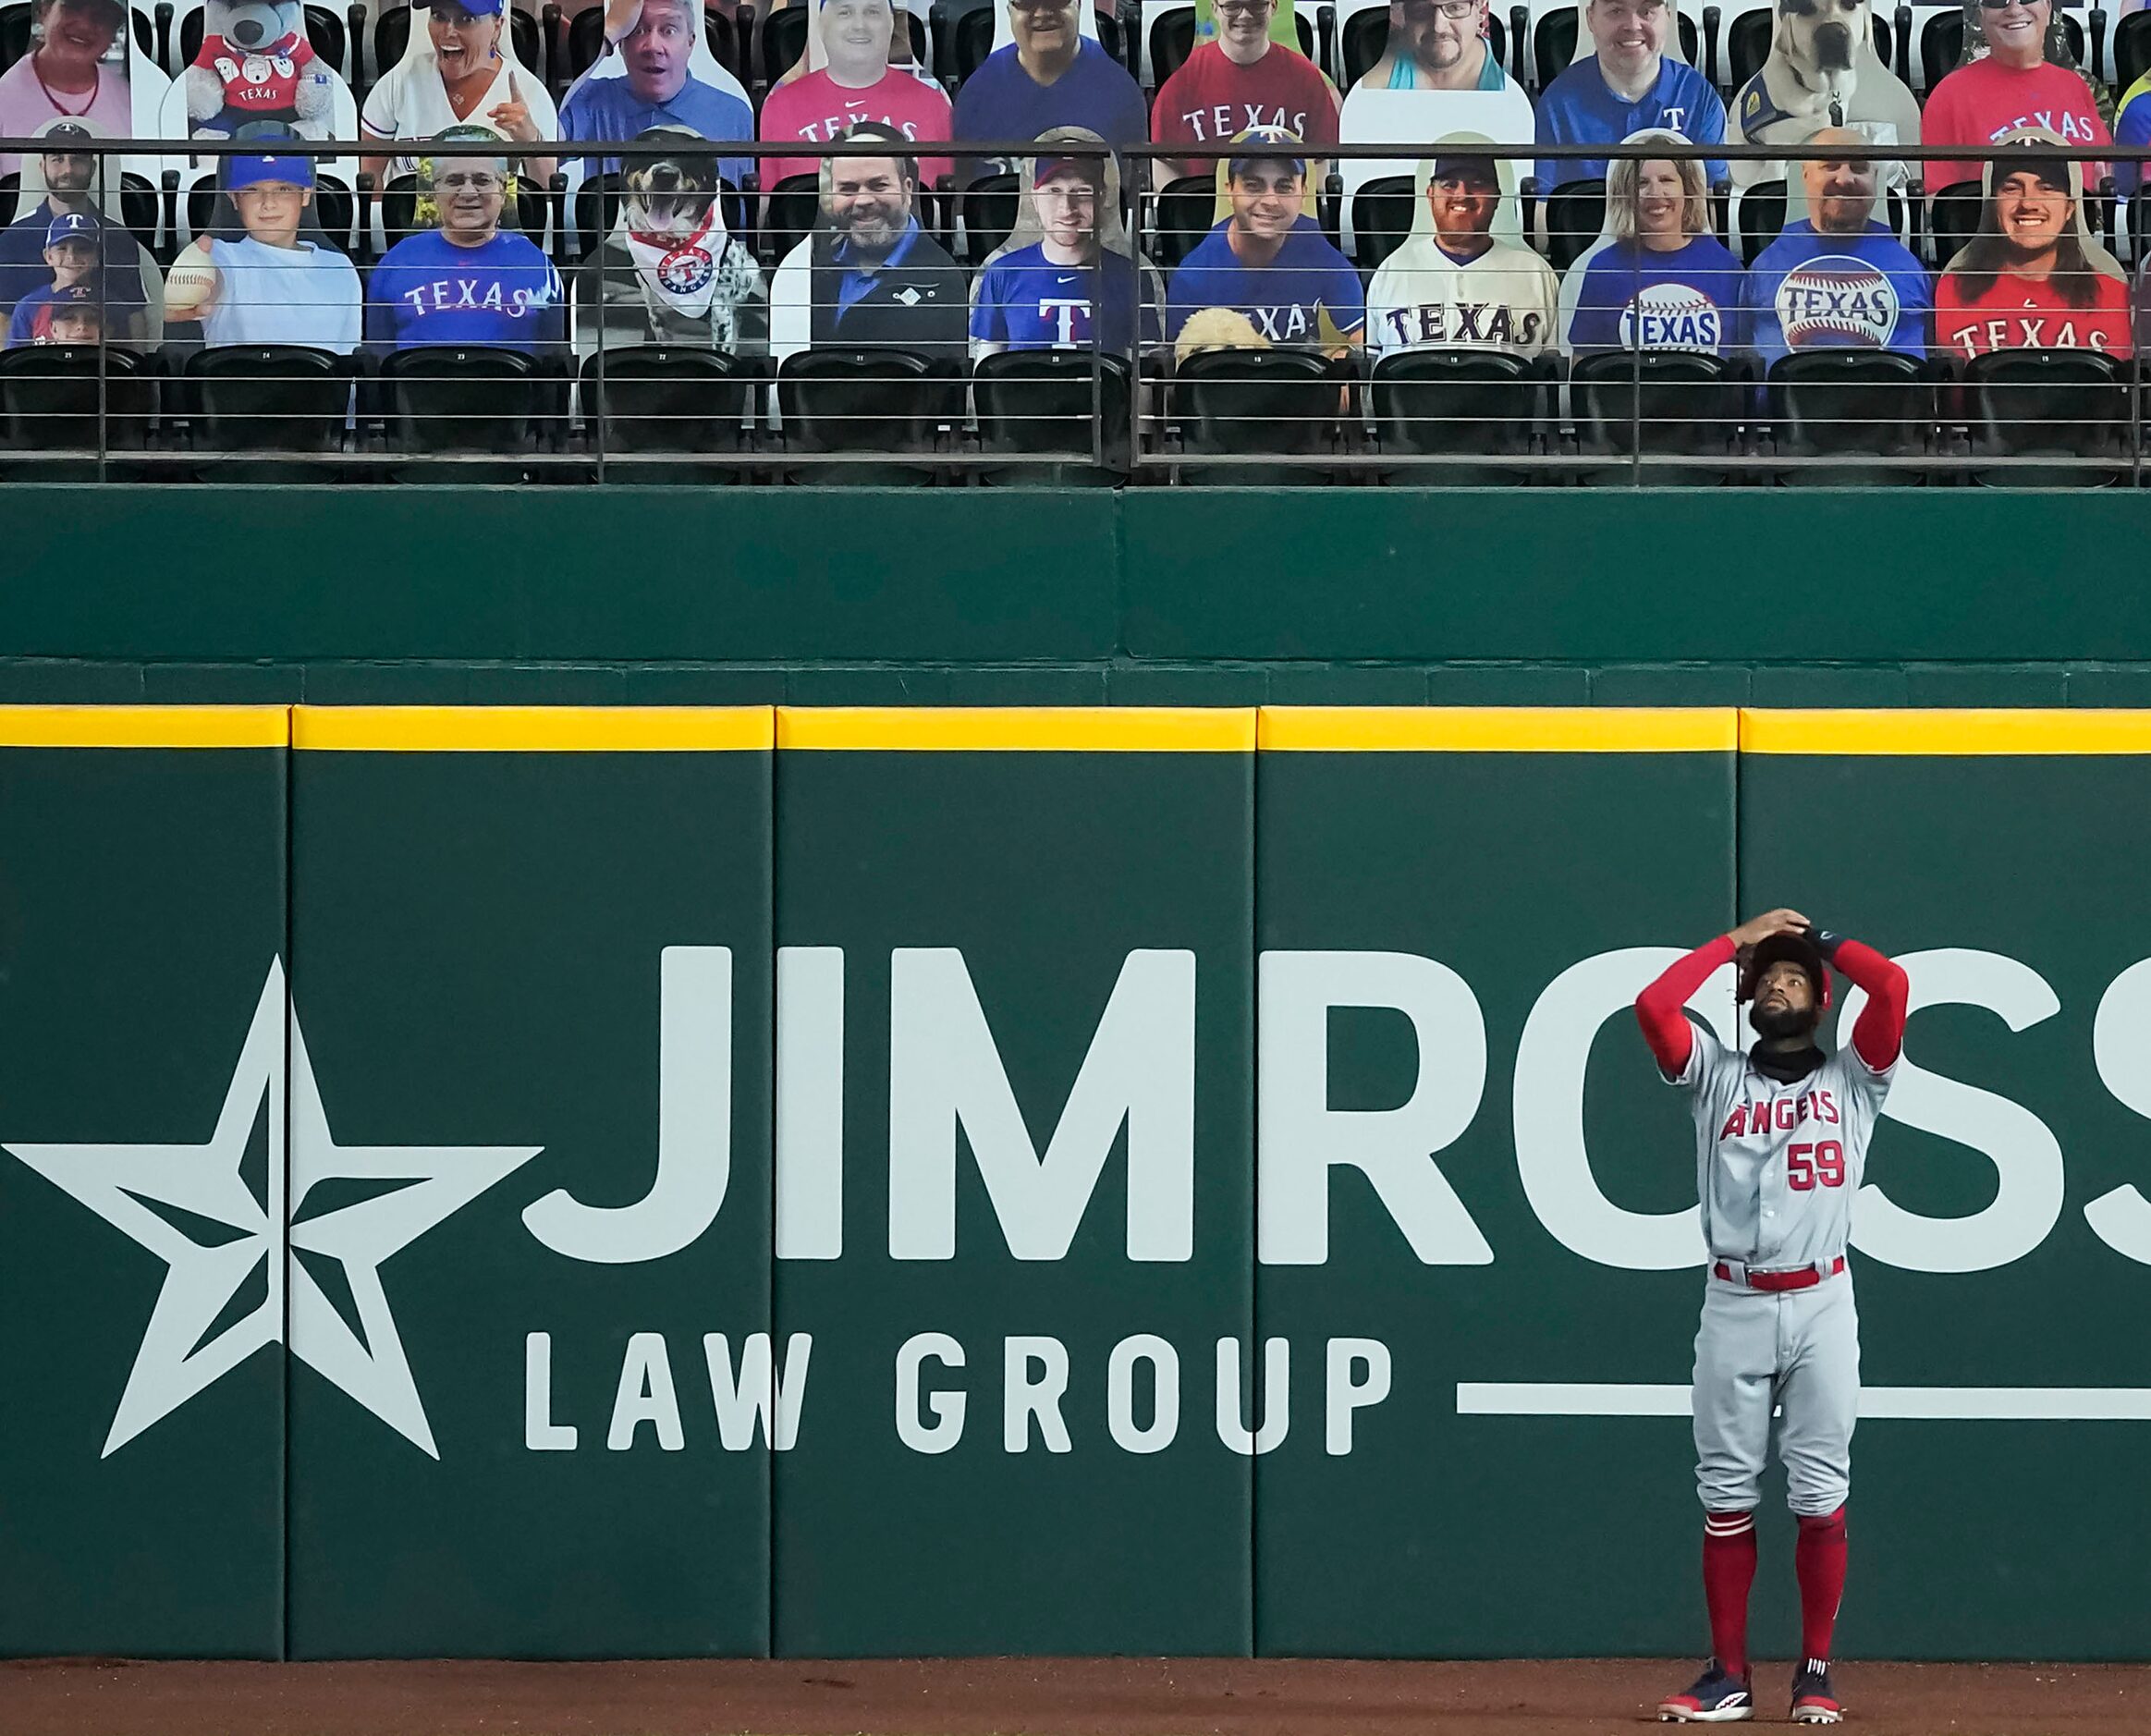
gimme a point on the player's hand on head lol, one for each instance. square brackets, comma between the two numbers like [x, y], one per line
[1760, 928]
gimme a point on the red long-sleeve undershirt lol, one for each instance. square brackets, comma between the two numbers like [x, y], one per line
[1877, 1034]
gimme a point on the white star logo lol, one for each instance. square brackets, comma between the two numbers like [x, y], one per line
[180, 1355]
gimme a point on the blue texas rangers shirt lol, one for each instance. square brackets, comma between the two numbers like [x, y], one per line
[1578, 108]
[1810, 292]
[1286, 298]
[1025, 301]
[504, 295]
[1634, 298]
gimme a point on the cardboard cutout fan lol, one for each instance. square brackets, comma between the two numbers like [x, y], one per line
[459, 65]
[656, 71]
[668, 271]
[1069, 276]
[855, 76]
[1658, 277]
[2033, 276]
[128, 289]
[81, 64]
[1822, 71]
[1466, 282]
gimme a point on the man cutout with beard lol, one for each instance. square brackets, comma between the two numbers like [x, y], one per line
[1436, 46]
[70, 178]
[2028, 280]
[1457, 288]
[878, 279]
[1837, 277]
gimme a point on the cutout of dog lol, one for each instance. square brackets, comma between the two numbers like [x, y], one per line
[1823, 71]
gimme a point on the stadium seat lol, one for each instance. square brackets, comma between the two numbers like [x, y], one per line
[1575, 219]
[792, 207]
[1182, 213]
[2070, 405]
[1039, 401]
[1381, 213]
[61, 405]
[1255, 407]
[1467, 406]
[644, 400]
[1953, 219]
[259, 401]
[988, 209]
[1758, 213]
[454, 401]
[1640, 407]
[1854, 405]
[862, 408]
[2131, 50]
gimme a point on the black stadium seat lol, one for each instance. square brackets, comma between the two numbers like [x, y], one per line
[1850, 405]
[1038, 401]
[1181, 214]
[2132, 51]
[52, 397]
[2070, 405]
[258, 400]
[442, 399]
[1954, 219]
[1657, 404]
[1575, 217]
[1382, 211]
[868, 405]
[1258, 405]
[665, 398]
[989, 208]
[1460, 404]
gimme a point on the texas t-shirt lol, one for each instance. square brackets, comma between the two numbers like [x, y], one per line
[1634, 298]
[1423, 297]
[1211, 100]
[1308, 294]
[503, 294]
[1025, 301]
[816, 108]
[1810, 292]
[1984, 100]
[1580, 108]
[2026, 314]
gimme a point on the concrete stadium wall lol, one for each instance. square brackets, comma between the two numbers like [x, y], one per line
[1367, 596]
[635, 1181]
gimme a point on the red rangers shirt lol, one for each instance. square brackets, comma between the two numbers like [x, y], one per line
[1984, 101]
[1211, 101]
[2028, 313]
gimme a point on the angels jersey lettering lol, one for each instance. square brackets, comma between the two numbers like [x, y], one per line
[1777, 1164]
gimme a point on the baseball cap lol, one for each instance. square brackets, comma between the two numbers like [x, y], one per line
[479, 9]
[75, 227]
[1090, 169]
[65, 132]
[75, 295]
[1464, 166]
[1267, 136]
[2031, 157]
[245, 171]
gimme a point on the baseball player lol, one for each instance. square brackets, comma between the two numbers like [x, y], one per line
[1781, 1142]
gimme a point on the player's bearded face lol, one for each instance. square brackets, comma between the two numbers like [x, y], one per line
[1784, 1005]
[69, 172]
[1462, 209]
[1437, 40]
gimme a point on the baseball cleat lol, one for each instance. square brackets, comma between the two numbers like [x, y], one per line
[1717, 1698]
[1814, 1700]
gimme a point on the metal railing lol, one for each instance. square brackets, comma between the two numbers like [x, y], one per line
[1278, 332]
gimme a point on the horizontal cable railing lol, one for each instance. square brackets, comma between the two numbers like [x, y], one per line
[1427, 311]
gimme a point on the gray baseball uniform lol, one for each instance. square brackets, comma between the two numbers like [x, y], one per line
[1777, 1166]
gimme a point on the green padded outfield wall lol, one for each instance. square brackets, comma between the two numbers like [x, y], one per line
[842, 1182]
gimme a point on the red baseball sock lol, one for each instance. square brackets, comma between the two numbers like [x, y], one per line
[1729, 1570]
[1819, 1558]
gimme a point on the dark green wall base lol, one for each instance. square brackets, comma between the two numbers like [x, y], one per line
[1407, 596]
